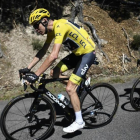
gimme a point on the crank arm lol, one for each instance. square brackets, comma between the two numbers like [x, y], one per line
[89, 110]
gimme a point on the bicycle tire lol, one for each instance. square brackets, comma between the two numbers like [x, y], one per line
[135, 95]
[14, 114]
[93, 117]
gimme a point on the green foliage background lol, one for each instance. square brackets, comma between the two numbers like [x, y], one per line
[136, 42]
[17, 11]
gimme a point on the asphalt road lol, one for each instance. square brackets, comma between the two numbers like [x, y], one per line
[124, 126]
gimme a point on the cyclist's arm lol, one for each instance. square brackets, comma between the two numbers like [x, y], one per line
[39, 55]
[49, 60]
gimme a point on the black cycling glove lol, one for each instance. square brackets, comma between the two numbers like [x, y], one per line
[31, 77]
[24, 71]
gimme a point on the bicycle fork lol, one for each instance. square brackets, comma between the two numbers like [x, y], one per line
[34, 107]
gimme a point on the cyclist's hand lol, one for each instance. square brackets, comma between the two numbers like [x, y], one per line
[24, 71]
[31, 77]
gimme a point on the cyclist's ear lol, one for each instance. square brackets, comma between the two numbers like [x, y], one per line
[45, 21]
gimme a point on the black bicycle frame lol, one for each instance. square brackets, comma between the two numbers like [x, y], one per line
[97, 104]
[42, 90]
[51, 96]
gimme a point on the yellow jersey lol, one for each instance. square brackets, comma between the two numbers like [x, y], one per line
[72, 36]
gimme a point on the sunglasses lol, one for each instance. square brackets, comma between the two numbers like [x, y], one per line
[36, 25]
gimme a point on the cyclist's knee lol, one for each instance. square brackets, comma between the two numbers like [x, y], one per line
[71, 88]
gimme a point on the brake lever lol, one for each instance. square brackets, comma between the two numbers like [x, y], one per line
[23, 83]
[25, 86]
[20, 76]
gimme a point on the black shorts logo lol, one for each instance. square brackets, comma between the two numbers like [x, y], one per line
[83, 71]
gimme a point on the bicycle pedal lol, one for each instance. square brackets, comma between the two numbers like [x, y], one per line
[93, 117]
[69, 118]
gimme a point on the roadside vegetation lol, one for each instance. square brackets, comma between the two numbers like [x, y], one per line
[37, 44]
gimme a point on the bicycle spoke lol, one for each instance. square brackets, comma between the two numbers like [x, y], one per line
[108, 100]
[15, 114]
[103, 94]
[22, 131]
[24, 106]
[16, 124]
[19, 110]
[15, 120]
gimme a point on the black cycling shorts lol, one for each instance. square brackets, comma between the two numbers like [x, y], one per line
[81, 64]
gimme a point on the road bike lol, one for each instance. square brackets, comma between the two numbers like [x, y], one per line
[135, 95]
[32, 116]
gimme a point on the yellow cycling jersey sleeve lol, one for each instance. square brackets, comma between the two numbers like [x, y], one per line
[72, 36]
[60, 31]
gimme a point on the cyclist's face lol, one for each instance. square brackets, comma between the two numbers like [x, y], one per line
[39, 28]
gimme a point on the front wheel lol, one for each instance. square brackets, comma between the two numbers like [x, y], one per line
[135, 95]
[100, 105]
[15, 123]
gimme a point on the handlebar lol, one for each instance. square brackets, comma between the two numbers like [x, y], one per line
[42, 81]
[23, 81]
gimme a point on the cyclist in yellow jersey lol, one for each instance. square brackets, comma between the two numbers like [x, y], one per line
[65, 32]
[81, 58]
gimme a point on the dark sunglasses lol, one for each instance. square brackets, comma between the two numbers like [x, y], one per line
[36, 25]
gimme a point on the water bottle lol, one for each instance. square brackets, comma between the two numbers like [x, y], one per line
[62, 98]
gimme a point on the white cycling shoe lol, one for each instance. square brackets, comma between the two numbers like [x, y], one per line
[73, 127]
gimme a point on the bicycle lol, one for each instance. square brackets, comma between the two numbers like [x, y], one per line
[135, 95]
[35, 112]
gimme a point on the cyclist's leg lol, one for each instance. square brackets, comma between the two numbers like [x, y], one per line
[79, 72]
[84, 64]
[57, 73]
[65, 64]
[71, 90]
[78, 123]
[75, 79]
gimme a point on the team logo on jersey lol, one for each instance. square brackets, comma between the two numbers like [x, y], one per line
[73, 35]
[83, 71]
[58, 34]
[83, 43]
[57, 26]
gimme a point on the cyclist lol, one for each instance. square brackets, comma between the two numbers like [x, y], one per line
[82, 56]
